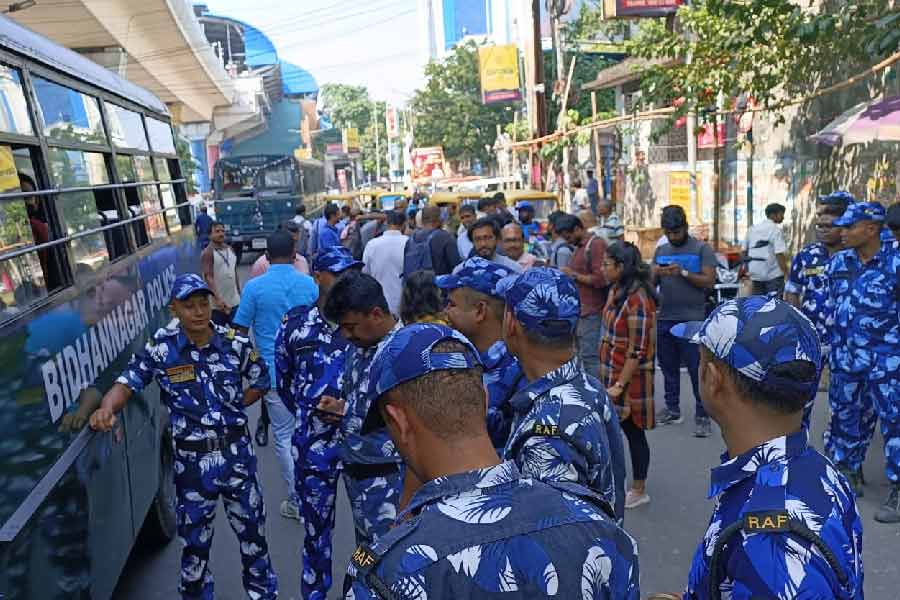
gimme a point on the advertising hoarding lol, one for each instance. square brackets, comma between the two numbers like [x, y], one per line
[427, 162]
[499, 67]
[619, 9]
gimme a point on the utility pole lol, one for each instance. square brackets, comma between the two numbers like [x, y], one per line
[557, 8]
[377, 144]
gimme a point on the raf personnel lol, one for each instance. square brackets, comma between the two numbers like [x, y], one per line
[373, 471]
[477, 527]
[309, 359]
[199, 367]
[475, 310]
[564, 427]
[807, 287]
[786, 524]
[864, 297]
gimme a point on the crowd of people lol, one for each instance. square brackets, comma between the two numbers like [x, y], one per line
[474, 378]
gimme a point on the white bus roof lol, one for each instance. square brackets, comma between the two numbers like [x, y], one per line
[21, 40]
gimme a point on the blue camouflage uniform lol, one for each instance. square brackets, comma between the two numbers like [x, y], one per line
[865, 351]
[564, 426]
[203, 391]
[807, 280]
[488, 531]
[502, 376]
[309, 363]
[777, 500]
[373, 470]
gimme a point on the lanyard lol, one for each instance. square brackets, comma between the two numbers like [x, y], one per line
[224, 256]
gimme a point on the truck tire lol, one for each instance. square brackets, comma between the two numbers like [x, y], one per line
[238, 251]
[160, 525]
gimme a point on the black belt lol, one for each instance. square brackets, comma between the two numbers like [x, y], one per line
[215, 444]
[364, 471]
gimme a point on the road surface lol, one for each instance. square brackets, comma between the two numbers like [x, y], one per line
[668, 529]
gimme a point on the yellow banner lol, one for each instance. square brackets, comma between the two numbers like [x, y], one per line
[680, 190]
[302, 153]
[351, 139]
[9, 176]
[499, 66]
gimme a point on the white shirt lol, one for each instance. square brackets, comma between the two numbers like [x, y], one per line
[383, 258]
[764, 241]
[463, 244]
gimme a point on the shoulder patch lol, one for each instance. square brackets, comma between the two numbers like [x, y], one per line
[545, 430]
[254, 356]
[230, 333]
[770, 521]
[363, 557]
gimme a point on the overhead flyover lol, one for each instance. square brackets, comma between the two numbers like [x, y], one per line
[157, 44]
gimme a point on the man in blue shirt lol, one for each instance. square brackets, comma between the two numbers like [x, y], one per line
[785, 524]
[593, 191]
[264, 302]
[476, 310]
[199, 367]
[309, 359]
[328, 232]
[564, 426]
[203, 227]
[864, 300]
[476, 527]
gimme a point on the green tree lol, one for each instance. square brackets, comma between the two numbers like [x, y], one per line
[768, 49]
[351, 106]
[189, 166]
[448, 110]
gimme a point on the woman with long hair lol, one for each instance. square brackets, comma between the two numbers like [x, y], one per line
[421, 301]
[627, 350]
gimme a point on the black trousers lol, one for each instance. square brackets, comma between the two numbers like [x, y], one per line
[638, 448]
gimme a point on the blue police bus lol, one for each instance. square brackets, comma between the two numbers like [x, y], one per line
[94, 228]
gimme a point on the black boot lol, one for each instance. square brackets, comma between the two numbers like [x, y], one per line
[890, 510]
[854, 478]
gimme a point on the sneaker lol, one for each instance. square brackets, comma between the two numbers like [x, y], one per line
[289, 510]
[667, 417]
[854, 478]
[890, 510]
[262, 433]
[702, 427]
[634, 499]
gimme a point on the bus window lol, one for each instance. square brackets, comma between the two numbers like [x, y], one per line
[277, 177]
[13, 108]
[160, 136]
[126, 128]
[184, 212]
[149, 195]
[69, 116]
[128, 174]
[80, 211]
[168, 194]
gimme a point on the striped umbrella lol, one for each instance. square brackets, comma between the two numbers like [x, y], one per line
[877, 121]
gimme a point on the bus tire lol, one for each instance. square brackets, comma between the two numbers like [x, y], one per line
[160, 526]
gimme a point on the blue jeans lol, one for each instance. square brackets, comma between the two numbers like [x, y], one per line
[283, 430]
[589, 343]
[671, 352]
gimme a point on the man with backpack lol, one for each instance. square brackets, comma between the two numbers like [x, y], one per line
[587, 270]
[431, 247]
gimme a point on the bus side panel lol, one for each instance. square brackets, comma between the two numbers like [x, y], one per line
[57, 364]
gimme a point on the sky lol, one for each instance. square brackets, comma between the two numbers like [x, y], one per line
[374, 43]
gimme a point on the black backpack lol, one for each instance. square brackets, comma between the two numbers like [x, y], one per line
[417, 253]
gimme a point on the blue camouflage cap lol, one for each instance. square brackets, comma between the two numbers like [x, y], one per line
[544, 300]
[837, 197]
[477, 273]
[334, 259]
[524, 204]
[408, 354]
[756, 333]
[188, 284]
[861, 211]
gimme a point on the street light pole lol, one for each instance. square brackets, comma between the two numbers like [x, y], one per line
[377, 145]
